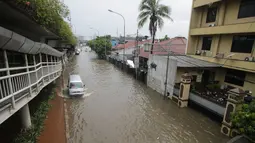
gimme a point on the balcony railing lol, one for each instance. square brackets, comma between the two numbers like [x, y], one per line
[14, 87]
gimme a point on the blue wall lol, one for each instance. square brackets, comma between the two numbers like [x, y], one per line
[114, 42]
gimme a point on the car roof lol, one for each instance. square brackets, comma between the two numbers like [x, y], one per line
[75, 78]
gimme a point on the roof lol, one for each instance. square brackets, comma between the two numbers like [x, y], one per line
[176, 45]
[129, 44]
[186, 61]
[75, 77]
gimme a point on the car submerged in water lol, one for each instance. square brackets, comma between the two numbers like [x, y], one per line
[77, 51]
[75, 86]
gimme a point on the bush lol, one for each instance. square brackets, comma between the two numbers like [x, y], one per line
[244, 120]
[30, 135]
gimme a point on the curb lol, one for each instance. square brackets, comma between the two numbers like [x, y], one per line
[66, 121]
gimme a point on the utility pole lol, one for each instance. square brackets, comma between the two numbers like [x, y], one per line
[136, 55]
[105, 46]
[167, 66]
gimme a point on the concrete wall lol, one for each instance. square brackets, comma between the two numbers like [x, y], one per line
[220, 76]
[192, 71]
[127, 51]
[156, 78]
[227, 25]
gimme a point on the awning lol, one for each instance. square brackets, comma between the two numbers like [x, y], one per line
[186, 61]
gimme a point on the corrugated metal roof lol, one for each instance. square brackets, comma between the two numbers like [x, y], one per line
[186, 61]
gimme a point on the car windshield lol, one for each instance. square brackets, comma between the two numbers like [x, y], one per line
[76, 85]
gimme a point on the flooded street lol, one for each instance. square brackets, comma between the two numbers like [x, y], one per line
[119, 109]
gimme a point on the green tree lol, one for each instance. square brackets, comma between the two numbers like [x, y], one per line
[155, 12]
[165, 38]
[101, 45]
[244, 120]
[51, 14]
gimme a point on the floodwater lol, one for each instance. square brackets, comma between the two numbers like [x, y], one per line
[119, 109]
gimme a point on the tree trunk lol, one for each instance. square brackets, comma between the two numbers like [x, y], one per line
[153, 39]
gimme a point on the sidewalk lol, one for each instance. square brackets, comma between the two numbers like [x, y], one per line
[54, 129]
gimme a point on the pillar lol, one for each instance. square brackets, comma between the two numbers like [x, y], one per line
[25, 116]
[234, 102]
[184, 90]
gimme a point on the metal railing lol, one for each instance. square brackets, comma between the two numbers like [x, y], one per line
[15, 86]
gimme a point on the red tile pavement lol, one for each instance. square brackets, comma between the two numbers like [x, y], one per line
[54, 129]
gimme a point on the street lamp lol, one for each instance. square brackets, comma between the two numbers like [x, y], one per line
[124, 31]
[96, 30]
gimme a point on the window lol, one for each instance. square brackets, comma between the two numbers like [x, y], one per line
[235, 77]
[211, 14]
[207, 41]
[76, 85]
[242, 44]
[247, 9]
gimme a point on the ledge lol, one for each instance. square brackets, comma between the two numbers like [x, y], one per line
[230, 63]
[198, 3]
[226, 29]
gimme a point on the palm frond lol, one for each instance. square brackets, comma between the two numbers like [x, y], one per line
[143, 14]
[165, 12]
[142, 22]
[160, 22]
[143, 7]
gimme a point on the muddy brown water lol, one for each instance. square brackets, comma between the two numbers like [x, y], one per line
[118, 109]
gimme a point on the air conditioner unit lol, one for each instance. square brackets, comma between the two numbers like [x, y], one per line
[198, 52]
[219, 55]
[203, 53]
[208, 54]
[251, 59]
[212, 25]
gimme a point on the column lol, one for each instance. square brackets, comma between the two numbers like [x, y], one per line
[9, 79]
[36, 74]
[234, 101]
[184, 90]
[47, 61]
[221, 11]
[28, 75]
[25, 116]
[40, 55]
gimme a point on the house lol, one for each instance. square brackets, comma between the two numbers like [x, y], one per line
[175, 45]
[223, 32]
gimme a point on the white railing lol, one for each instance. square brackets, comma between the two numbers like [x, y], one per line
[15, 86]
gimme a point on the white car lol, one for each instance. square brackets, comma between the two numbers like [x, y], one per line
[75, 86]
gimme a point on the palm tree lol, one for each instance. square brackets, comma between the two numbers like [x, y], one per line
[153, 10]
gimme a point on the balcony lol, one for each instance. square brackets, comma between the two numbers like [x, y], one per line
[226, 29]
[18, 89]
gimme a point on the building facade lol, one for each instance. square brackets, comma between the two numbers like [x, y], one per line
[223, 32]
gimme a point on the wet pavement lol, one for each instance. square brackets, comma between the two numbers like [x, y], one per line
[54, 128]
[119, 109]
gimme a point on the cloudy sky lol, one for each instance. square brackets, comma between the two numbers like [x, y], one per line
[94, 13]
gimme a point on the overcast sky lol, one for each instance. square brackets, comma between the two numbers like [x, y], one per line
[94, 13]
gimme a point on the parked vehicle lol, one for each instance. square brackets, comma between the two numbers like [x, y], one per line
[75, 86]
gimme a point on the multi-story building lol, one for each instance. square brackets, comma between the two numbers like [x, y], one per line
[223, 32]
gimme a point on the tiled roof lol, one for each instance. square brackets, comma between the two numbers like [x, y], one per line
[129, 44]
[176, 45]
